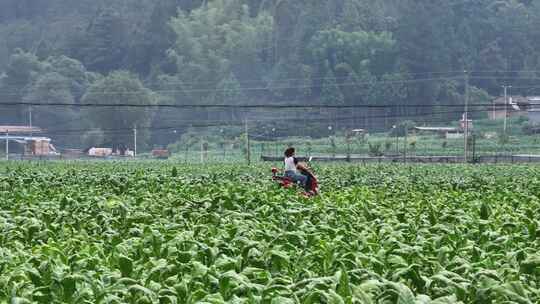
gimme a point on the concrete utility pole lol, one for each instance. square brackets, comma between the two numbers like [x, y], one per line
[202, 151]
[466, 118]
[135, 141]
[30, 119]
[505, 87]
[7, 144]
[274, 141]
[494, 113]
[405, 144]
[397, 138]
[248, 152]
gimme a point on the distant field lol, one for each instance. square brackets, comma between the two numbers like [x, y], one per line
[487, 143]
[148, 232]
[424, 145]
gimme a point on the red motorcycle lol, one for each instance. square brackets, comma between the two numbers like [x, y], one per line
[312, 185]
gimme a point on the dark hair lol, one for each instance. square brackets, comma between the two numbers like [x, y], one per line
[289, 152]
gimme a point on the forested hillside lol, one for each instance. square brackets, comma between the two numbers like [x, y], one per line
[339, 52]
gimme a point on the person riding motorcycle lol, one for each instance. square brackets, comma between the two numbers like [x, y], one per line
[291, 170]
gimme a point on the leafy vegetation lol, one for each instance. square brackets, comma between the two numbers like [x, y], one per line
[167, 233]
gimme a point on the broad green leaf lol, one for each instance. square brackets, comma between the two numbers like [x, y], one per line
[126, 265]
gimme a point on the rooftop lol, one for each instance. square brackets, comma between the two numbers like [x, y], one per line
[24, 138]
[436, 129]
[19, 129]
[512, 99]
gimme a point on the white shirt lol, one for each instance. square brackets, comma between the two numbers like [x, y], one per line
[289, 164]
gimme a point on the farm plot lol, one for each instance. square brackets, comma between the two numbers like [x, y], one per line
[155, 233]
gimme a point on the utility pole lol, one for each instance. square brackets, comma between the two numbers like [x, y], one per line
[494, 110]
[505, 87]
[474, 148]
[247, 142]
[405, 145]
[275, 141]
[276, 37]
[30, 118]
[466, 118]
[135, 141]
[7, 144]
[397, 138]
[202, 151]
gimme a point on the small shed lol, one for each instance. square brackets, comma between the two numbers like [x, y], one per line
[35, 146]
[100, 152]
[38, 146]
[23, 136]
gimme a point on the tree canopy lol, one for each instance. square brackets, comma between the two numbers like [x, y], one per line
[349, 52]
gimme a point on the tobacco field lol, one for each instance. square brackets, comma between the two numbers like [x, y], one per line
[173, 233]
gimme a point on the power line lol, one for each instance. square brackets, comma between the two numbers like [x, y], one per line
[277, 119]
[225, 124]
[234, 106]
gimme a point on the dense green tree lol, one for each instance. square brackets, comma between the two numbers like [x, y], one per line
[21, 9]
[93, 138]
[360, 50]
[106, 42]
[50, 88]
[228, 91]
[74, 71]
[23, 68]
[217, 39]
[118, 122]
[387, 52]
[291, 81]
[331, 92]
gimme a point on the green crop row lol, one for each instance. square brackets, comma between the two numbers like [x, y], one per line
[160, 233]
